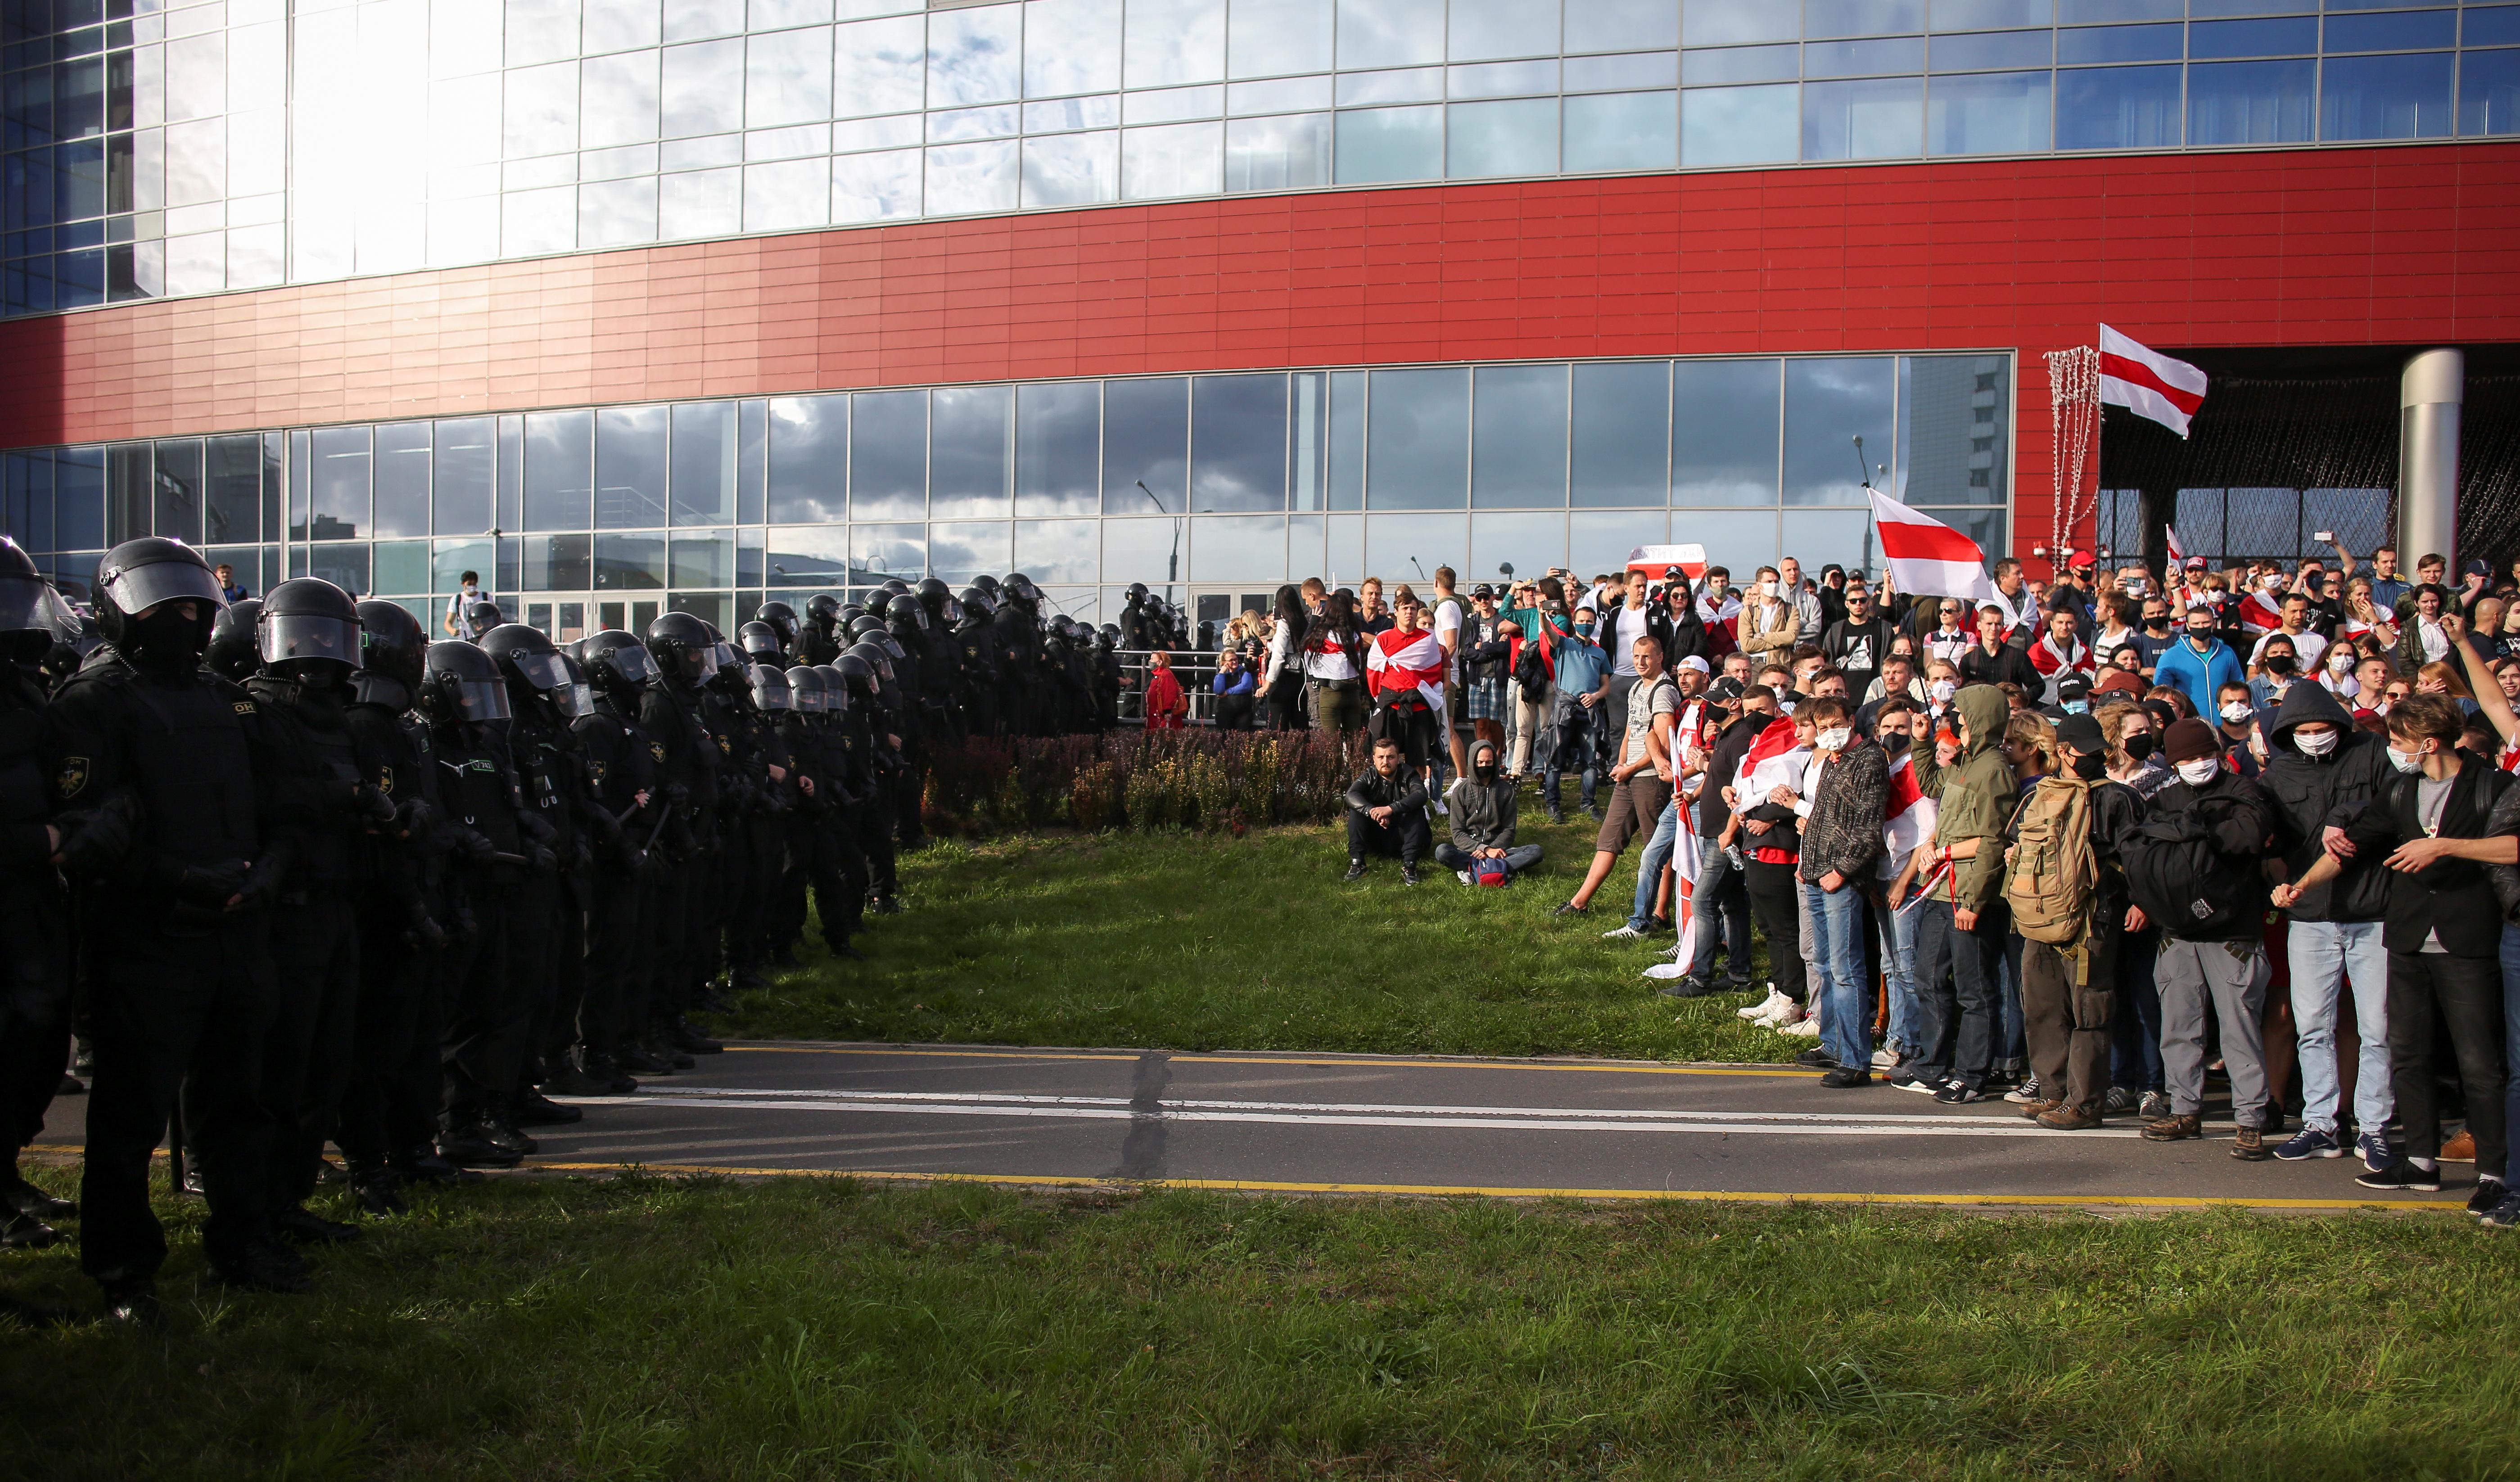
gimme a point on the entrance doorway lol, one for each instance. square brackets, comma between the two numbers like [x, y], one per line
[568, 618]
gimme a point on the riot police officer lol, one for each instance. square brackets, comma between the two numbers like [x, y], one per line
[1019, 653]
[781, 619]
[975, 662]
[685, 659]
[624, 763]
[873, 768]
[820, 643]
[234, 654]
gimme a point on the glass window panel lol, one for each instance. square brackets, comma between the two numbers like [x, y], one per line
[630, 468]
[752, 458]
[1830, 402]
[177, 491]
[2117, 108]
[2119, 43]
[2252, 38]
[788, 77]
[2488, 93]
[1638, 70]
[1623, 131]
[703, 463]
[971, 437]
[1343, 559]
[810, 556]
[539, 30]
[1877, 119]
[464, 475]
[880, 553]
[1855, 59]
[1530, 543]
[2249, 102]
[1518, 437]
[1058, 448]
[78, 497]
[618, 100]
[1390, 144]
[1346, 439]
[1146, 427]
[878, 67]
[998, 121]
[1988, 14]
[1304, 546]
[344, 563]
[887, 455]
[338, 483]
[1287, 152]
[702, 558]
[1421, 84]
[1990, 113]
[2400, 97]
[1390, 32]
[1622, 425]
[1171, 103]
[1739, 125]
[1408, 547]
[791, 193]
[1740, 64]
[1502, 79]
[1173, 159]
[1823, 537]
[1954, 425]
[2074, 11]
[967, 178]
[1238, 443]
[1865, 18]
[1070, 46]
[512, 479]
[1142, 550]
[1059, 550]
[1621, 26]
[1239, 547]
[1073, 170]
[1490, 139]
[1724, 432]
[401, 565]
[449, 560]
[541, 112]
[615, 26]
[702, 88]
[1725, 22]
[402, 459]
[1277, 38]
[630, 562]
[558, 470]
[1991, 50]
[1418, 443]
[974, 56]
[1171, 42]
[1056, 113]
[959, 552]
[231, 492]
[876, 187]
[1486, 28]
[2492, 25]
[130, 500]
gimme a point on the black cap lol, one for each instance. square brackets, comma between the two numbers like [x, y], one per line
[2081, 733]
[2073, 686]
[1483, 589]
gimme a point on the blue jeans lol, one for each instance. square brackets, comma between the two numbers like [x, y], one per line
[2511, 1024]
[1575, 744]
[1666, 838]
[1723, 902]
[1898, 945]
[2134, 1031]
[2323, 954]
[1958, 976]
[1837, 931]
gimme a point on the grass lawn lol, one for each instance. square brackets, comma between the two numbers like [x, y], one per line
[1204, 942]
[678, 1329]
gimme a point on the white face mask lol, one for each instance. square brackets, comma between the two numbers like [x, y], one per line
[1767, 589]
[1786, 706]
[1942, 689]
[2405, 761]
[2198, 772]
[2342, 663]
[2236, 711]
[2137, 587]
[2314, 743]
[1834, 738]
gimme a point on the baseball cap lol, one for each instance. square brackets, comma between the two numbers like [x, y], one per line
[1725, 690]
[1694, 661]
[2073, 686]
[1483, 589]
[2080, 732]
[2076, 561]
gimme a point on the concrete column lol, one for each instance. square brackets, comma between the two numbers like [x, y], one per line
[2429, 395]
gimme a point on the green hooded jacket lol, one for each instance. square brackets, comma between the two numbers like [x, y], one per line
[1973, 797]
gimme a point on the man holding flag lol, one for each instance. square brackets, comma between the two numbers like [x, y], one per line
[1961, 928]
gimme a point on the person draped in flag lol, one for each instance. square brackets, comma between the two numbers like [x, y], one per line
[2061, 650]
[1719, 608]
[1907, 822]
[1404, 675]
[1771, 843]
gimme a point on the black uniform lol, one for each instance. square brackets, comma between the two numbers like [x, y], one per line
[484, 1030]
[979, 675]
[34, 919]
[670, 713]
[622, 764]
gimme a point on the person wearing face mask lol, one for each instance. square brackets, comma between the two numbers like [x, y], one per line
[2190, 868]
[2236, 718]
[2200, 663]
[1483, 818]
[1770, 624]
[2431, 825]
[1841, 816]
[1576, 704]
[2323, 771]
[2279, 669]
[1961, 924]
[179, 977]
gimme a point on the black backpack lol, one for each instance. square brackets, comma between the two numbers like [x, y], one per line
[2188, 890]
[1531, 669]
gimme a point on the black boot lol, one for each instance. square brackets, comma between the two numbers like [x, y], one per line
[379, 1191]
[535, 1110]
[26, 1199]
[24, 1231]
[683, 1035]
[575, 1078]
[298, 1227]
[424, 1165]
[470, 1144]
[262, 1265]
[638, 1061]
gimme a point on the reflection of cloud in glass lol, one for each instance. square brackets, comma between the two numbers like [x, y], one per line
[815, 556]
[973, 55]
[1057, 549]
[1828, 403]
[1074, 46]
[956, 553]
[1724, 432]
[878, 67]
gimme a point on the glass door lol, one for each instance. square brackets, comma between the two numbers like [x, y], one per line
[567, 617]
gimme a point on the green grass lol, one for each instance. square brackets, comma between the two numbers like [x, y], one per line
[1203, 942]
[694, 1329]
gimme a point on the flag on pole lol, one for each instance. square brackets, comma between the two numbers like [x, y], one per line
[2178, 547]
[2147, 383]
[1907, 815]
[1684, 902]
[1928, 558]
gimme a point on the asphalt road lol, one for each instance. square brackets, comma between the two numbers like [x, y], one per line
[1329, 1123]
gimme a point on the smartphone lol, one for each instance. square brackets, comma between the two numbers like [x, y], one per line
[2325, 537]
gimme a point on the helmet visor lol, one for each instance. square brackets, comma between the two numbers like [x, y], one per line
[770, 688]
[281, 638]
[22, 605]
[546, 672]
[633, 662]
[575, 700]
[482, 700]
[700, 665]
[137, 589]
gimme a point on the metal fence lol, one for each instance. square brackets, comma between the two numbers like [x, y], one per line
[1194, 669]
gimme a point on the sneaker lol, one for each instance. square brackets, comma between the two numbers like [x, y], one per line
[1915, 1082]
[1817, 1058]
[1885, 1058]
[1440, 810]
[1557, 816]
[2025, 1092]
[2503, 1216]
[1356, 869]
[2373, 1149]
[1805, 1028]
[2178, 1127]
[1787, 1012]
[2459, 1147]
[1623, 932]
[1845, 1076]
[1464, 875]
[2310, 1142]
[2403, 1174]
[2155, 1105]
[2119, 1099]
[1408, 874]
[1958, 1092]
[2249, 1145]
[1571, 908]
[1687, 988]
[2488, 1197]
[1767, 1007]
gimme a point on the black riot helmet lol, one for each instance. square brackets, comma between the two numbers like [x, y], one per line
[782, 619]
[138, 575]
[683, 647]
[578, 699]
[392, 644]
[531, 664]
[878, 662]
[769, 690]
[822, 611]
[893, 650]
[858, 673]
[480, 618]
[860, 628]
[894, 587]
[1137, 592]
[617, 663]
[805, 690]
[906, 609]
[836, 689]
[26, 607]
[308, 631]
[976, 601]
[988, 585]
[848, 614]
[1019, 588]
[463, 686]
[1107, 637]
[233, 652]
[762, 641]
[936, 597]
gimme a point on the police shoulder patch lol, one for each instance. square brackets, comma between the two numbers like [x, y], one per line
[73, 778]
[656, 749]
[384, 779]
[245, 707]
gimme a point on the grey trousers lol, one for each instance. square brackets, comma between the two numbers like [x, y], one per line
[2188, 976]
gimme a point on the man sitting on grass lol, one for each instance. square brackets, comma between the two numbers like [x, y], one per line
[1386, 814]
[1483, 814]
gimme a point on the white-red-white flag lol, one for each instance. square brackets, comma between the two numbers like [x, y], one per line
[2178, 548]
[1928, 558]
[2147, 383]
[1907, 815]
[1684, 904]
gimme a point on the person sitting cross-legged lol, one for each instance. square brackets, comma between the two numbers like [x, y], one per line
[1483, 814]
[1386, 814]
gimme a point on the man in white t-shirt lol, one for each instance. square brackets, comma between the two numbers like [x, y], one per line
[2296, 626]
[1448, 609]
[471, 591]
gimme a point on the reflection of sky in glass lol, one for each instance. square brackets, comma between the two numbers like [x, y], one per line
[1273, 38]
[1238, 548]
[1057, 549]
[1238, 443]
[1070, 46]
[1724, 432]
[969, 436]
[956, 553]
[879, 67]
[1390, 32]
[1485, 28]
[974, 56]
[812, 556]
[1171, 42]
[1828, 403]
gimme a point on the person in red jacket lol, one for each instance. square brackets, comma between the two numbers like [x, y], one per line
[1166, 705]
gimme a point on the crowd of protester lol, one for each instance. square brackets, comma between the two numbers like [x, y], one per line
[2078, 844]
[296, 873]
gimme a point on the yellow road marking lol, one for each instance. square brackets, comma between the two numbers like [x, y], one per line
[1791, 1072]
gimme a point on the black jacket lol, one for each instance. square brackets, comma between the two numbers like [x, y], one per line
[1978, 667]
[1679, 637]
[1401, 791]
[1731, 745]
[2455, 897]
[2309, 794]
[2232, 815]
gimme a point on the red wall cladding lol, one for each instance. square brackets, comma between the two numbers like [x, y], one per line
[2328, 247]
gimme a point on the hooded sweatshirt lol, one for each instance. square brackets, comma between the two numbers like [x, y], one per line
[2311, 794]
[1974, 798]
[1483, 814]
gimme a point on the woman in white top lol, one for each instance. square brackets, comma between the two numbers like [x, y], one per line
[1332, 648]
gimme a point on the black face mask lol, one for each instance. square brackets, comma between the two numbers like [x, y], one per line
[2279, 663]
[1894, 742]
[2158, 624]
[2137, 747]
[167, 638]
[1486, 772]
[2093, 767]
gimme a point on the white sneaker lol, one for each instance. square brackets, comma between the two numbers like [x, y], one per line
[1885, 1058]
[1464, 874]
[1805, 1028]
[1791, 1013]
[1766, 1007]
[1440, 810]
[2024, 1094]
[1622, 932]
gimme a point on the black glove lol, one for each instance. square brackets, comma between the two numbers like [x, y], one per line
[262, 882]
[466, 927]
[536, 829]
[369, 804]
[476, 847]
[211, 886]
[96, 840]
[415, 817]
[425, 935]
[542, 861]
[582, 859]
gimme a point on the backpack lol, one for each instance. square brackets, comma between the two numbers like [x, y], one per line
[2055, 873]
[1490, 871]
[1531, 670]
[2187, 889]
